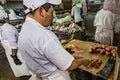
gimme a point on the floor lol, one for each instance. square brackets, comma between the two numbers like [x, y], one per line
[5, 70]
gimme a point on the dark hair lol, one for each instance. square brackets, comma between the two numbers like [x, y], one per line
[46, 6]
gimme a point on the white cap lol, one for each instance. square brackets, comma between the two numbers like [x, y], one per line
[79, 5]
[3, 14]
[34, 4]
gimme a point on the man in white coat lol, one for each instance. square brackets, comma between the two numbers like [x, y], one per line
[9, 38]
[10, 34]
[79, 11]
[40, 47]
[107, 23]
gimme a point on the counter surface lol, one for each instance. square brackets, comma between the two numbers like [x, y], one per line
[84, 45]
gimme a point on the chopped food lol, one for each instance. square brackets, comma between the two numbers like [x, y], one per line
[95, 63]
[103, 49]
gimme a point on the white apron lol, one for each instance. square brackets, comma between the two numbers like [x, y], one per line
[104, 35]
[18, 70]
[57, 75]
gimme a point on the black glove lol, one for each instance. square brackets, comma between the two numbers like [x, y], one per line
[109, 66]
[69, 50]
[16, 60]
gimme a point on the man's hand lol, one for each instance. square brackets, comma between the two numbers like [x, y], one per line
[85, 61]
[78, 55]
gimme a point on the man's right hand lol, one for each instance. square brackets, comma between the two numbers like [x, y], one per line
[85, 61]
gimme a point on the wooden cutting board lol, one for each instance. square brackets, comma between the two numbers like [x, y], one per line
[84, 46]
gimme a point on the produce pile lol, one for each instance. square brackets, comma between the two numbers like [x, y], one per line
[72, 28]
[103, 49]
[95, 63]
[67, 31]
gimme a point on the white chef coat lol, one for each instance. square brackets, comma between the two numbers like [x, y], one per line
[9, 38]
[74, 2]
[10, 34]
[104, 23]
[76, 13]
[41, 49]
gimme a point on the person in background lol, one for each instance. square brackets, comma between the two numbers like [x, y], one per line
[10, 34]
[76, 12]
[40, 47]
[114, 7]
[107, 23]
[79, 11]
[9, 37]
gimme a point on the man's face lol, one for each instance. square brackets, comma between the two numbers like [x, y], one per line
[48, 16]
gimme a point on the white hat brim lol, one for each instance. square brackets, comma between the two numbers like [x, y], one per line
[55, 2]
